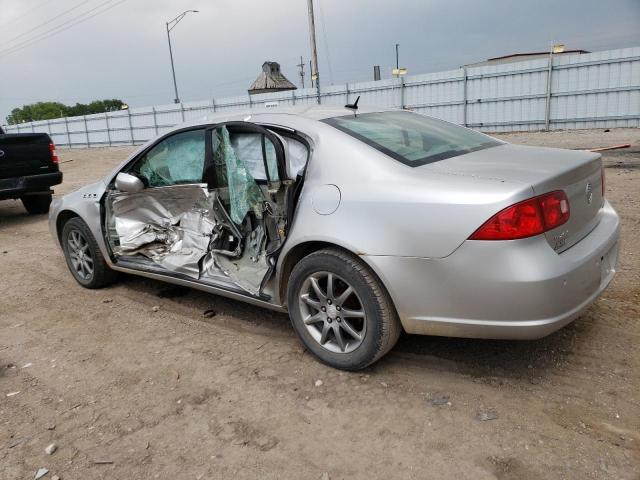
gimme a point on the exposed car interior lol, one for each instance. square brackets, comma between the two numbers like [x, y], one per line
[212, 204]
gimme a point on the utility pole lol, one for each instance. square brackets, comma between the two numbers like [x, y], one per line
[314, 52]
[301, 65]
[397, 62]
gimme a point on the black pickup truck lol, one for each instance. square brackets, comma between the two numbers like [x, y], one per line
[28, 169]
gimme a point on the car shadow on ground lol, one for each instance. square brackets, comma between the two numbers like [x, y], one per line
[530, 360]
[514, 359]
[12, 213]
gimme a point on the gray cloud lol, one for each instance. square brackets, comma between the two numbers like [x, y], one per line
[123, 52]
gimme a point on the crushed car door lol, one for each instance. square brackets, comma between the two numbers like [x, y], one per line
[246, 175]
[213, 207]
[168, 222]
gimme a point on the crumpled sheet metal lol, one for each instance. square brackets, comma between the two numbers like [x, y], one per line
[174, 227]
[248, 270]
[170, 225]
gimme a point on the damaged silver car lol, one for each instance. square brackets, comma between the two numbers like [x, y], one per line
[358, 222]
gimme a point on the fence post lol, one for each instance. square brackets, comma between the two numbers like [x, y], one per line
[155, 121]
[86, 131]
[213, 104]
[346, 92]
[106, 119]
[547, 108]
[130, 126]
[66, 127]
[182, 111]
[293, 97]
[402, 93]
[18, 125]
[464, 96]
[48, 127]
[33, 129]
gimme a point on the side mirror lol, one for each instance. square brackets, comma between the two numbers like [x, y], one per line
[128, 183]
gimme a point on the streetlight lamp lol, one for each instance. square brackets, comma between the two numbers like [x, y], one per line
[397, 72]
[171, 24]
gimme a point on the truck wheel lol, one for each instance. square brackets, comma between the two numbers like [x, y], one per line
[83, 256]
[37, 204]
[340, 310]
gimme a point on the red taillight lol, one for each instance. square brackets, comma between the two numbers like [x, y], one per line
[54, 154]
[527, 218]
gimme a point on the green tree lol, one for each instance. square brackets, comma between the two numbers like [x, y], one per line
[50, 110]
[37, 111]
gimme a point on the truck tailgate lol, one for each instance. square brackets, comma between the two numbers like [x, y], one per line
[25, 154]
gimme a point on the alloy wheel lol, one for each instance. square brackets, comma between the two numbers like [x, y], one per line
[332, 312]
[80, 254]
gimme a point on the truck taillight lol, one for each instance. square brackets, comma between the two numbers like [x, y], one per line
[54, 154]
[527, 218]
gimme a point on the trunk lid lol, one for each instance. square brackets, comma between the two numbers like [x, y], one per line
[576, 172]
[25, 154]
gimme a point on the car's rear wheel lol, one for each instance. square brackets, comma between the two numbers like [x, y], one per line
[37, 203]
[340, 310]
[83, 256]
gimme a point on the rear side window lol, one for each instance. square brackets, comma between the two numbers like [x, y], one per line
[411, 138]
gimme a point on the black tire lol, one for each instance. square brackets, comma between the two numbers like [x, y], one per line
[382, 324]
[37, 204]
[101, 275]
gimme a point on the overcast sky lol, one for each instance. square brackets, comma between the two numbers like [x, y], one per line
[122, 53]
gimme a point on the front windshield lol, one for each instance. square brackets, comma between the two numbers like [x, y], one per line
[411, 138]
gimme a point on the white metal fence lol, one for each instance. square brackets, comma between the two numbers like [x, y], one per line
[596, 90]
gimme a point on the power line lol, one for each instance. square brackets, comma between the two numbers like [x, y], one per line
[48, 21]
[56, 30]
[42, 35]
[326, 44]
[25, 13]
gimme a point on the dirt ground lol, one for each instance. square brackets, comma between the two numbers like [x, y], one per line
[127, 390]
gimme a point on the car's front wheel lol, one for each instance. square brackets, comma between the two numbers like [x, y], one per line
[340, 310]
[83, 256]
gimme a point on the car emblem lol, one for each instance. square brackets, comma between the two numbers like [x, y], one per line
[1, 153]
[589, 192]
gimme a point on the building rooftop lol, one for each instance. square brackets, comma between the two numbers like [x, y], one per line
[270, 80]
[520, 57]
[529, 54]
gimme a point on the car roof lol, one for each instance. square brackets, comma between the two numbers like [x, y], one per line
[310, 112]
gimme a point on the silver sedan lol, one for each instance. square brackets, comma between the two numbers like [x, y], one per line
[359, 223]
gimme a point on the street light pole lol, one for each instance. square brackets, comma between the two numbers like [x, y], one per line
[397, 62]
[173, 70]
[314, 52]
[170, 26]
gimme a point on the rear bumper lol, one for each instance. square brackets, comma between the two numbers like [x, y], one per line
[518, 289]
[18, 186]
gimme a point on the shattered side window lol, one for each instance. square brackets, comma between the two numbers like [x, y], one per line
[244, 192]
[177, 159]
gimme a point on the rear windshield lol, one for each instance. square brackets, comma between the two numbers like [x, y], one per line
[411, 138]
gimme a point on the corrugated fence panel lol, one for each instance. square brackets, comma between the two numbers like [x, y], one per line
[595, 90]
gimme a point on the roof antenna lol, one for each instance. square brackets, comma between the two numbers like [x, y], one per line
[353, 106]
